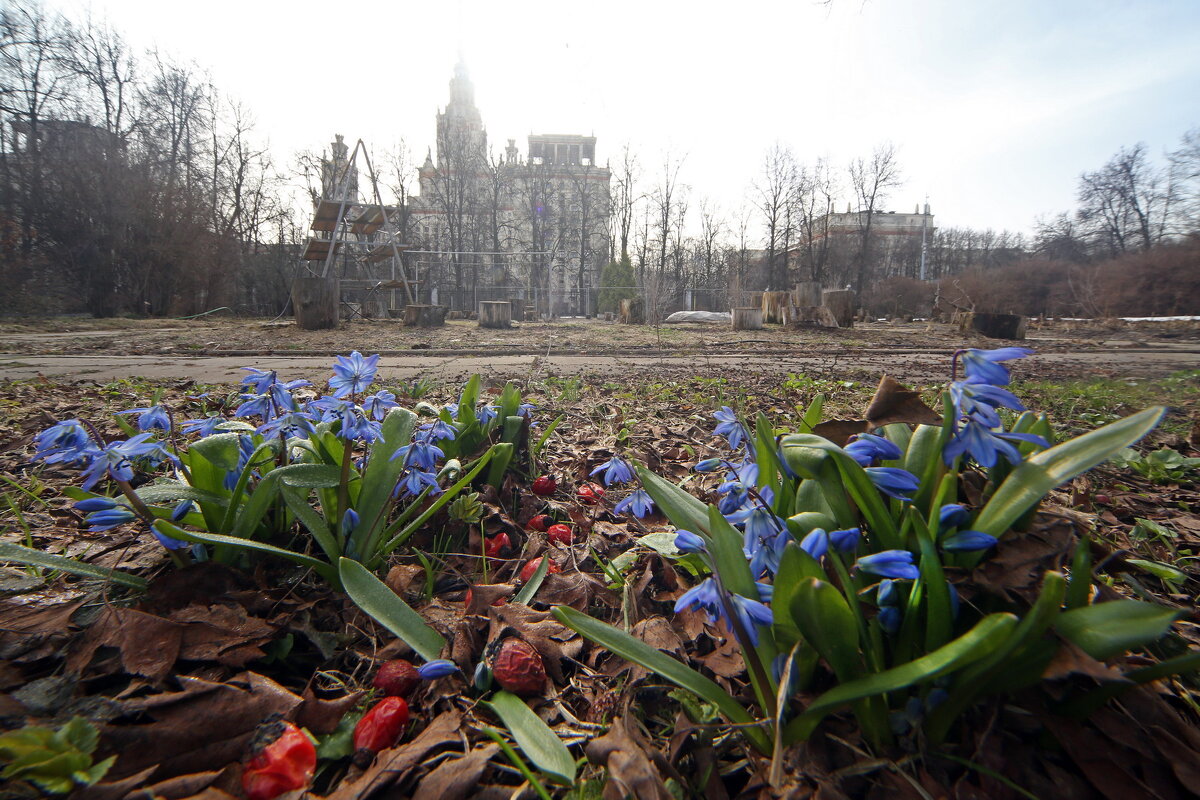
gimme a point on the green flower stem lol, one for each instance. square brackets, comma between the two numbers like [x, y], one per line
[759, 677]
[343, 503]
[143, 511]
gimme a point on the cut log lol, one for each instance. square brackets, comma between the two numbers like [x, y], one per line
[810, 317]
[315, 303]
[807, 294]
[633, 311]
[774, 306]
[747, 319]
[424, 316]
[841, 303]
[994, 326]
[495, 314]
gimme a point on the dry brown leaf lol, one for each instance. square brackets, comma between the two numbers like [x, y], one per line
[1070, 660]
[457, 778]
[630, 771]
[896, 403]
[393, 764]
[539, 629]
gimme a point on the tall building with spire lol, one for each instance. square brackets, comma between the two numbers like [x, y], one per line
[497, 225]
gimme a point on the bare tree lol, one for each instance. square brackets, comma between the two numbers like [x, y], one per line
[1185, 178]
[1127, 202]
[776, 193]
[625, 197]
[871, 182]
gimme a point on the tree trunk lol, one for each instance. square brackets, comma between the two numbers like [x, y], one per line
[841, 303]
[495, 314]
[994, 326]
[774, 307]
[424, 316]
[315, 302]
[747, 319]
[633, 311]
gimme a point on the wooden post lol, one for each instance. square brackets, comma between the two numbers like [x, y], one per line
[424, 316]
[994, 326]
[495, 314]
[806, 294]
[633, 311]
[774, 307]
[841, 303]
[315, 303]
[747, 319]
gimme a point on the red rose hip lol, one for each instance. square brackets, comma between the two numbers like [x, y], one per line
[282, 760]
[560, 533]
[590, 493]
[532, 567]
[382, 725]
[518, 668]
[544, 486]
[541, 523]
[396, 678]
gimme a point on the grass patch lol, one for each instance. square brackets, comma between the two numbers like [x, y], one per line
[1079, 405]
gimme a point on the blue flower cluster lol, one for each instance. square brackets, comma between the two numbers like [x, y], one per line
[977, 400]
[618, 471]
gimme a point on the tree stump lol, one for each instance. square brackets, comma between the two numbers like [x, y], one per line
[424, 316]
[495, 314]
[810, 317]
[747, 319]
[994, 326]
[807, 294]
[518, 310]
[774, 306]
[633, 311]
[841, 303]
[315, 303]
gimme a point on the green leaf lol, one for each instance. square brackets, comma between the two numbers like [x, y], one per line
[1038, 474]
[309, 476]
[502, 455]
[1108, 629]
[795, 566]
[983, 639]
[238, 543]
[681, 508]
[540, 744]
[827, 623]
[170, 491]
[1160, 570]
[658, 662]
[19, 554]
[221, 450]
[297, 501]
[534, 583]
[382, 472]
[389, 610]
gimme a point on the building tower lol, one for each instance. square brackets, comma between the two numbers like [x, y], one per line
[460, 133]
[332, 169]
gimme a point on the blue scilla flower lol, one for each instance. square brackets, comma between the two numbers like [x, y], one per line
[688, 542]
[436, 431]
[983, 365]
[291, 423]
[165, 540]
[816, 543]
[890, 618]
[637, 503]
[730, 427]
[868, 448]
[256, 405]
[437, 668]
[845, 541]
[526, 409]
[116, 459]
[260, 379]
[706, 595]
[349, 521]
[985, 445]
[742, 477]
[953, 515]
[109, 518]
[616, 470]
[416, 481]
[352, 374]
[893, 481]
[90, 504]
[486, 414]
[204, 426]
[181, 510]
[709, 464]
[421, 453]
[281, 394]
[151, 417]
[980, 400]
[890, 564]
[968, 542]
[378, 404]
[64, 443]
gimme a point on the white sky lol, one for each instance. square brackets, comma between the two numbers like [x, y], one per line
[994, 107]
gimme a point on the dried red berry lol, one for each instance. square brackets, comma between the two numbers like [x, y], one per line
[396, 678]
[544, 486]
[590, 493]
[540, 523]
[560, 533]
[382, 725]
[518, 668]
[531, 567]
[493, 547]
[282, 760]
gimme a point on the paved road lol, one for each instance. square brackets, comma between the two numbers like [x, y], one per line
[907, 365]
